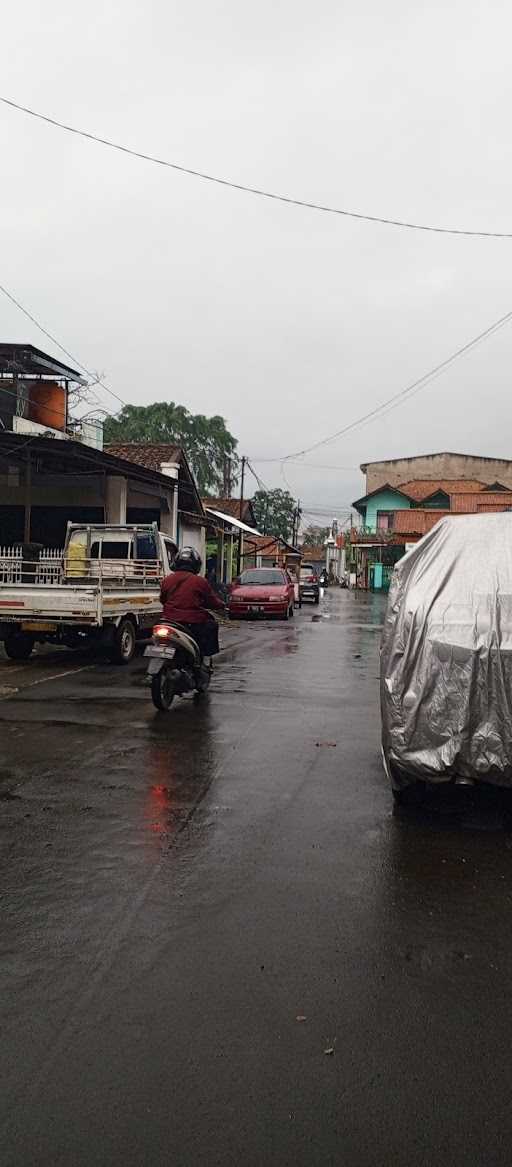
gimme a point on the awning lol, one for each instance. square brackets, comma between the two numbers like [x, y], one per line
[232, 522]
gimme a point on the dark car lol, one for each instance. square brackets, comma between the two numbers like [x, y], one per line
[262, 591]
[309, 583]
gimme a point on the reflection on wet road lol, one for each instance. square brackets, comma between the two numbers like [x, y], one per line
[178, 890]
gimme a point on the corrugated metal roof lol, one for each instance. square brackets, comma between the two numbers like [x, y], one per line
[26, 358]
[416, 521]
[232, 521]
[471, 504]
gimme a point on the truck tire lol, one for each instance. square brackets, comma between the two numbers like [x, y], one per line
[125, 640]
[18, 645]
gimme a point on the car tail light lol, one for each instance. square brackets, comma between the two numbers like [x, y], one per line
[311, 579]
[163, 632]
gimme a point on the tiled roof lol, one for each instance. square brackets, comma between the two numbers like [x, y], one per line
[313, 554]
[149, 454]
[230, 506]
[420, 488]
[474, 504]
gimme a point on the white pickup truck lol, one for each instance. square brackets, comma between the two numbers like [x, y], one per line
[106, 588]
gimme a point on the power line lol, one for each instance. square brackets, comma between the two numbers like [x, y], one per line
[54, 340]
[259, 480]
[305, 465]
[409, 390]
[266, 194]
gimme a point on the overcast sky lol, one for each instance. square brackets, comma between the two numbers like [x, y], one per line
[286, 321]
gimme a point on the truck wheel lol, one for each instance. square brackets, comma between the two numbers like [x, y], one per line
[162, 690]
[124, 643]
[18, 645]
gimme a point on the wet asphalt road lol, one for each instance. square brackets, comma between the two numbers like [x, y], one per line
[219, 945]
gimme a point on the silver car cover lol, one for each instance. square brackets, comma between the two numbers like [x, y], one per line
[446, 656]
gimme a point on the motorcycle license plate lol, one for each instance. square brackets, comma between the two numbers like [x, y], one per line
[159, 653]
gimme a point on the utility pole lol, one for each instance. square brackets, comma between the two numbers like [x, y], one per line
[296, 523]
[266, 515]
[227, 477]
[240, 537]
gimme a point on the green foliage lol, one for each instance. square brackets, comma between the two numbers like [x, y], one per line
[275, 512]
[205, 440]
[315, 536]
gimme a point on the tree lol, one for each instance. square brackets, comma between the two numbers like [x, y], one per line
[274, 512]
[315, 536]
[206, 440]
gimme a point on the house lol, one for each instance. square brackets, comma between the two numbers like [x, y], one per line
[378, 508]
[314, 555]
[169, 461]
[46, 482]
[53, 469]
[271, 551]
[395, 515]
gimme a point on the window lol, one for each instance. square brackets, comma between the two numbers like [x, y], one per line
[263, 576]
[146, 547]
[171, 549]
[385, 520]
[113, 549]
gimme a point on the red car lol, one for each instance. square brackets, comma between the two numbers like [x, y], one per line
[262, 591]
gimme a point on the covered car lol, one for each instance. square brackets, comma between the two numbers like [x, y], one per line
[446, 656]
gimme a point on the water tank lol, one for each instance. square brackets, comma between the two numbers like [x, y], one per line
[48, 404]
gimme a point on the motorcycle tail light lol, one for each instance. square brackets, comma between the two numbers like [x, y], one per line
[163, 632]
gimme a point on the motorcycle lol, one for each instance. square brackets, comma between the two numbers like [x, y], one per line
[175, 665]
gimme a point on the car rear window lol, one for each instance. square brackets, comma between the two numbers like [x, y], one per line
[262, 576]
[307, 569]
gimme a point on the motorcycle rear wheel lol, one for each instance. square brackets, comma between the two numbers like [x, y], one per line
[162, 690]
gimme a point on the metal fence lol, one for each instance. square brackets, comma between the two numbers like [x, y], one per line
[51, 568]
[47, 569]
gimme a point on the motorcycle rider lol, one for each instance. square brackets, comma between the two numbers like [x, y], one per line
[186, 597]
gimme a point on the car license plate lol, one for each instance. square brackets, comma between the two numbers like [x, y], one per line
[256, 609]
[38, 626]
